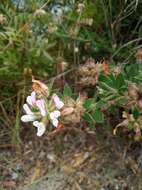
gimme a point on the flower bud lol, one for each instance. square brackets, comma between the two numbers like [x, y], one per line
[81, 7]
[67, 111]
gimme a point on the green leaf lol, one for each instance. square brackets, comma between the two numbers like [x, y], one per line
[109, 80]
[100, 104]
[105, 79]
[120, 82]
[112, 78]
[135, 112]
[91, 125]
[67, 90]
[138, 78]
[89, 103]
[88, 117]
[132, 71]
[107, 87]
[46, 54]
[98, 116]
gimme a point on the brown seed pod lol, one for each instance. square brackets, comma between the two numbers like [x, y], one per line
[39, 87]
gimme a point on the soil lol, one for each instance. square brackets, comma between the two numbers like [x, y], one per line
[73, 159]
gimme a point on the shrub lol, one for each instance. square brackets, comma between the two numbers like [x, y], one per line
[45, 38]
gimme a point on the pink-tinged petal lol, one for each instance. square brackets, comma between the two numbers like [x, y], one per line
[28, 118]
[58, 103]
[67, 111]
[31, 100]
[43, 112]
[41, 106]
[55, 114]
[40, 103]
[27, 109]
[55, 97]
[33, 97]
[40, 128]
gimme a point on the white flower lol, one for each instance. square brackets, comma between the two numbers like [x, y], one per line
[54, 117]
[31, 100]
[28, 118]
[55, 114]
[41, 106]
[40, 128]
[58, 103]
[27, 109]
[55, 122]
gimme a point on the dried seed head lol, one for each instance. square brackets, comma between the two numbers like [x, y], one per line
[89, 72]
[73, 111]
[132, 90]
[139, 56]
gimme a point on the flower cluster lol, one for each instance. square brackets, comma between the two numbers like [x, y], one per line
[42, 111]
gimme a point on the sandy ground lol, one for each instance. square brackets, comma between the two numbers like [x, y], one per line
[74, 160]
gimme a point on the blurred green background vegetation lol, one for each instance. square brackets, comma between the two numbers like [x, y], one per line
[37, 35]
